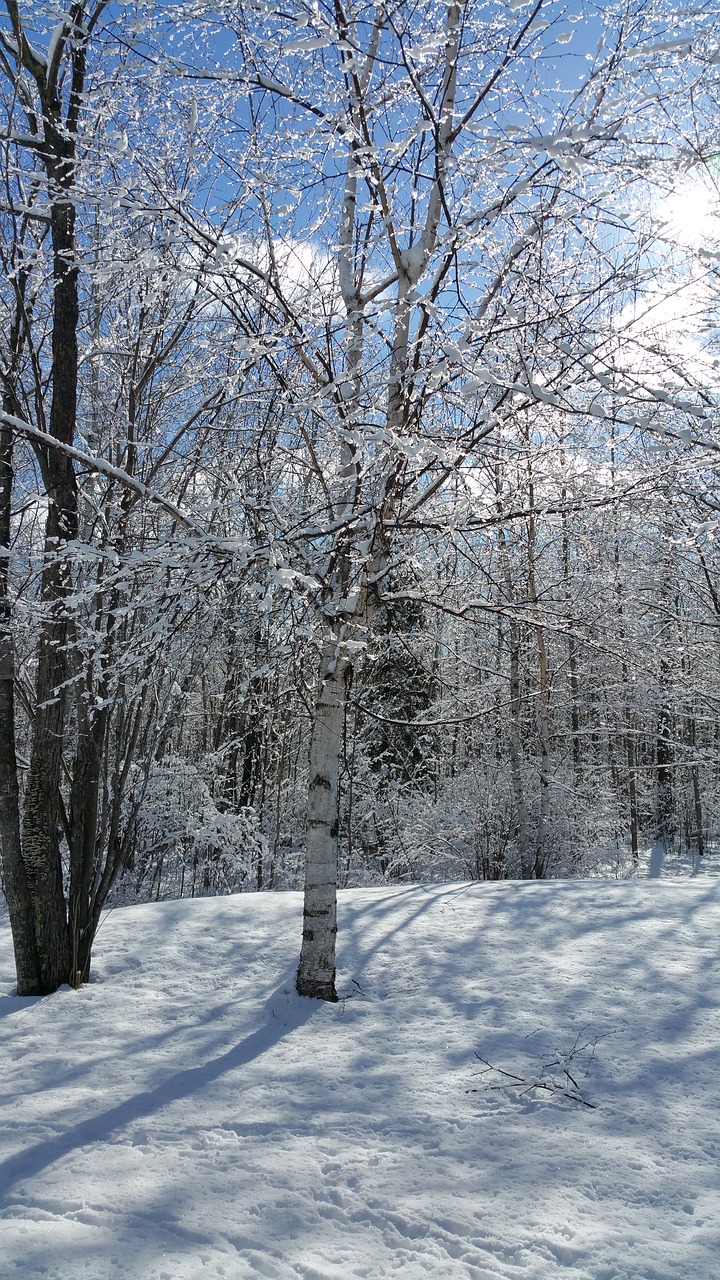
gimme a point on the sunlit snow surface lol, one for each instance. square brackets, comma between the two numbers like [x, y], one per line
[186, 1115]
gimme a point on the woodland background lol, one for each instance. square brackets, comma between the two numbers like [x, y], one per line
[382, 346]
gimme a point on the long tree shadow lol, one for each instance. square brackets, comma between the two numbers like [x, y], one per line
[18, 1005]
[284, 1013]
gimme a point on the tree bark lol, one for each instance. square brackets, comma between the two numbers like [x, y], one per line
[40, 842]
[83, 907]
[543, 703]
[14, 877]
[632, 790]
[515, 752]
[41, 819]
[316, 972]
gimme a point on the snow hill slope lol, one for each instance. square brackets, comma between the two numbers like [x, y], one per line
[186, 1115]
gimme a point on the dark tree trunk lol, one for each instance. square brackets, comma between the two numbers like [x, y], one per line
[15, 880]
[40, 848]
[697, 799]
[632, 795]
[42, 816]
[665, 821]
[84, 803]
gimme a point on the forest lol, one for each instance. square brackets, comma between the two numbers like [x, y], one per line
[358, 451]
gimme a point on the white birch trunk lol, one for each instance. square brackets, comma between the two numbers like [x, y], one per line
[316, 972]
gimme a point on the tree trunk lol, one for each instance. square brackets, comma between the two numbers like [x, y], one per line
[573, 677]
[543, 705]
[15, 880]
[40, 838]
[316, 972]
[43, 809]
[632, 794]
[665, 823]
[515, 734]
[84, 905]
[541, 843]
[515, 753]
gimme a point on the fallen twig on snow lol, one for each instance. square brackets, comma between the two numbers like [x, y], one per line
[565, 1086]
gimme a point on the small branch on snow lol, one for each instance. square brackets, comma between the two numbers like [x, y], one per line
[563, 1086]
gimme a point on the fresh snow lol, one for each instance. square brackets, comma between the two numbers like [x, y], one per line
[187, 1115]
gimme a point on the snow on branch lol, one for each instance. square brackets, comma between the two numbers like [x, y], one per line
[100, 466]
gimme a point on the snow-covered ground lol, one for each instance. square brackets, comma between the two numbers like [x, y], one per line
[186, 1115]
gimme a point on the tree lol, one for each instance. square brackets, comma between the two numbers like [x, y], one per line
[97, 700]
[414, 130]
[384, 406]
[49, 90]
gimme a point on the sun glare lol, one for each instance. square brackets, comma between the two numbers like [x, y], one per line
[691, 212]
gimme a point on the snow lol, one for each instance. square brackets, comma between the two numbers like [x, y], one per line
[57, 35]
[187, 1114]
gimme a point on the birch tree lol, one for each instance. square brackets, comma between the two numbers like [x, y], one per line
[441, 169]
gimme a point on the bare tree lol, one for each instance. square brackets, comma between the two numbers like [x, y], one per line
[49, 90]
[440, 203]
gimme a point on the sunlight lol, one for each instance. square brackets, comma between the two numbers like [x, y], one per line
[691, 212]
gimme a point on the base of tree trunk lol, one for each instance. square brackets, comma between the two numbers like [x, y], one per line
[316, 990]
